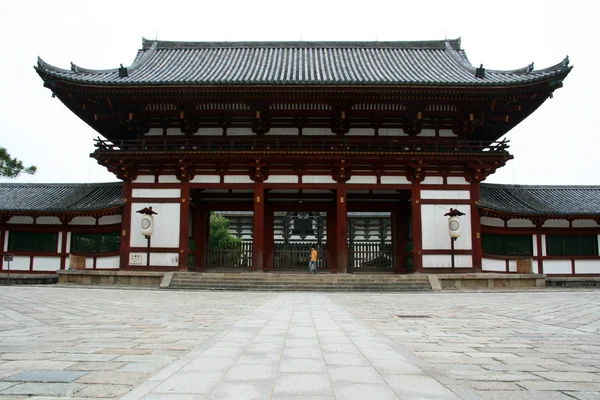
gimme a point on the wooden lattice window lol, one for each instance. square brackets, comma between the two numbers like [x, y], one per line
[507, 245]
[108, 242]
[33, 241]
[572, 245]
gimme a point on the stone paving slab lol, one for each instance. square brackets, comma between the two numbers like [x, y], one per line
[73, 343]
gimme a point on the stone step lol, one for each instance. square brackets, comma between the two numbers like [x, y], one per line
[302, 288]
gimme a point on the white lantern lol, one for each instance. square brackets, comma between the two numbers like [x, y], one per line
[147, 225]
[454, 227]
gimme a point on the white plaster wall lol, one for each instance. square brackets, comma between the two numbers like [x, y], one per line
[174, 132]
[512, 265]
[489, 264]
[544, 253]
[433, 180]
[584, 223]
[534, 245]
[154, 132]
[237, 179]
[362, 179]
[317, 132]
[144, 179]
[68, 242]
[89, 263]
[20, 220]
[206, 179]
[209, 132]
[156, 193]
[394, 180]
[427, 133]
[557, 266]
[446, 133]
[556, 223]
[283, 131]
[168, 179]
[239, 131]
[587, 266]
[282, 179]
[456, 180]
[434, 227]
[48, 221]
[109, 220]
[489, 221]
[46, 263]
[159, 259]
[5, 244]
[446, 195]
[83, 221]
[445, 261]
[317, 179]
[361, 132]
[519, 223]
[166, 225]
[19, 263]
[107, 262]
[59, 241]
[391, 132]
[535, 268]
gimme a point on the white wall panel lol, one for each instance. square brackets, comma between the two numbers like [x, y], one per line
[489, 221]
[456, 180]
[83, 221]
[362, 179]
[445, 261]
[240, 132]
[166, 225]
[168, 179]
[110, 220]
[544, 245]
[587, 266]
[434, 227]
[174, 132]
[156, 193]
[209, 132]
[433, 180]
[20, 220]
[46, 263]
[446, 133]
[283, 132]
[534, 245]
[427, 133]
[68, 242]
[394, 180]
[48, 221]
[159, 259]
[519, 223]
[556, 223]
[89, 263]
[317, 179]
[317, 132]
[144, 179]
[557, 266]
[391, 132]
[282, 179]
[107, 262]
[489, 264]
[237, 179]
[512, 265]
[19, 263]
[535, 268]
[361, 132]
[584, 223]
[206, 179]
[446, 195]
[5, 244]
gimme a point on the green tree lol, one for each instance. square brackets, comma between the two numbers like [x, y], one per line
[12, 167]
[219, 231]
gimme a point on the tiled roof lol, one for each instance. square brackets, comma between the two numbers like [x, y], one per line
[292, 63]
[59, 197]
[541, 200]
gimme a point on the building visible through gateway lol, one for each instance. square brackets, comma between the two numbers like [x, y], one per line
[358, 149]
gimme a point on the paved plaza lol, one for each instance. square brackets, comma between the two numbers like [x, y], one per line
[81, 343]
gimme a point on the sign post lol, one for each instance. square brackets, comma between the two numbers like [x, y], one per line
[8, 258]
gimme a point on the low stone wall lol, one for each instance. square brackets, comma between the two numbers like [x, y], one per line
[111, 278]
[574, 282]
[491, 281]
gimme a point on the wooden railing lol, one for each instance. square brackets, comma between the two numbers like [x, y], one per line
[304, 144]
[230, 255]
[370, 256]
[297, 255]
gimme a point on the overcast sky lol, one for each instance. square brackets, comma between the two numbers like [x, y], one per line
[558, 144]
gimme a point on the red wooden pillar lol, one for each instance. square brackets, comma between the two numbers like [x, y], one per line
[3, 227]
[269, 239]
[63, 245]
[258, 242]
[184, 226]
[416, 227]
[341, 248]
[125, 226]
[476, 228]
[538, 243]
[201, 238]
[399, 238]
[331, 240]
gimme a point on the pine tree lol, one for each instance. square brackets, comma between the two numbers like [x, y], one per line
[12, 167]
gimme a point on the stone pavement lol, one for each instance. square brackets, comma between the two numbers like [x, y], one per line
[82, 343]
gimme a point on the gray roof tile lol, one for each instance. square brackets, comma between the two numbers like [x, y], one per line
[59, 197]
[376, 63]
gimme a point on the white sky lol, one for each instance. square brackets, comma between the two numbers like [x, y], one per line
[558, 144]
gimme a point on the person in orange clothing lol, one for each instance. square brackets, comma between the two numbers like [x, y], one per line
[312, 264]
